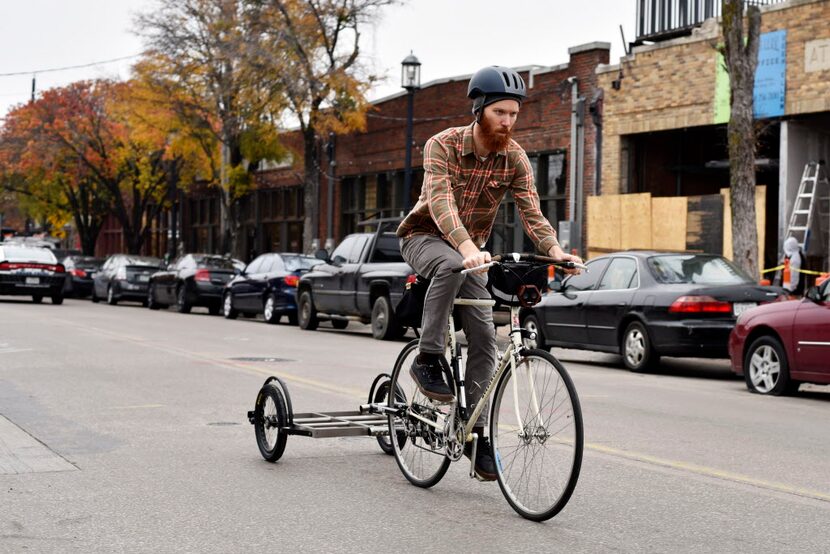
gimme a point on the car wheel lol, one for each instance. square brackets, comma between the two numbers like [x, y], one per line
[384, 323]
[636, 349]
[182, 305]
[227, 307]
[37, 299]
[111, 299]
[307, 313]
[57, 299]
[766, 368]
[339, 323]
[269, 310]
[531, 325]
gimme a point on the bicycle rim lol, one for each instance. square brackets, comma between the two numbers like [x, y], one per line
[414, 445]
[536, 430]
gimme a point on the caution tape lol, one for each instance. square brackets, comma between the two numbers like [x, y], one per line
[806, 271]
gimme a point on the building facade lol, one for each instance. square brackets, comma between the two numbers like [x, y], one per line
[666, 106]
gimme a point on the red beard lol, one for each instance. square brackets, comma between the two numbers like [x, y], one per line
[495, 140]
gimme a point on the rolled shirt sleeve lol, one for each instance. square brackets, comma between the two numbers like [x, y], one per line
[438, 194]
[536, 225]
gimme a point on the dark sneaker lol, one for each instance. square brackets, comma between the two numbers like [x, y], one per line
[485, 468]
[430, 380]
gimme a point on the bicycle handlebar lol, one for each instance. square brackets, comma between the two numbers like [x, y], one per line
[514, 257]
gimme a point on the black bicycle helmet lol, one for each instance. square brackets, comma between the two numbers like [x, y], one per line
[495, 83]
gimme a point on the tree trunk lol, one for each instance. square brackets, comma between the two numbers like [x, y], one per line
[310, 191]
[741, 61]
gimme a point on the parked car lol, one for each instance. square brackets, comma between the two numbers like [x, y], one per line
[363, 279]
[124, 277]
[268, 286]
[191, 280]
[26, 270]
[647, 304]
[80, 270]
[779, 346]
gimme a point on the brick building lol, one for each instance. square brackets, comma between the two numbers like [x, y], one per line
[368, 178]
[666, 105]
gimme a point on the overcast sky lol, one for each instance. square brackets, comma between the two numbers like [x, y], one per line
[449, 37]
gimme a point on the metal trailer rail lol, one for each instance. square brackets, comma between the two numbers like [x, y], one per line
[274, 420]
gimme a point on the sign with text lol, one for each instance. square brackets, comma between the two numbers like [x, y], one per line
[769, 93]
[817, 55]
[771, 75]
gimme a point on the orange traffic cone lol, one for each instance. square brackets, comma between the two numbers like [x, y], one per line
[785, 276]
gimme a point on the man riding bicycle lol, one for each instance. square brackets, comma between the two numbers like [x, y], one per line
[467, 171]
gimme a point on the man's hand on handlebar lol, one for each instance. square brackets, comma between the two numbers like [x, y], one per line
[473, 257]
[558, 254]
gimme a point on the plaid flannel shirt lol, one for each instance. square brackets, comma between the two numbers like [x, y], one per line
[461, 194]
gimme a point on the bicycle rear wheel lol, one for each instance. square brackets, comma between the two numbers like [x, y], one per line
[418, 449]
[537, 437]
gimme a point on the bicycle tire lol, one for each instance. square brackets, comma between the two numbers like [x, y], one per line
[270, 417]
[421, 466]
[533, 447]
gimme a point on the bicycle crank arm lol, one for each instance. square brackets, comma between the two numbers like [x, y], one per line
[473, 456]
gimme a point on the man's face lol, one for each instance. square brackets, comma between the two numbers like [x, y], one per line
[497, 123]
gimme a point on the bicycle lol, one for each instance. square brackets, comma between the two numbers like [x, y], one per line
[535, 416]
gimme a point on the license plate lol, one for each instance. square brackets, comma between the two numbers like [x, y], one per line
[32, 280]
[143, 278]
[740, 307]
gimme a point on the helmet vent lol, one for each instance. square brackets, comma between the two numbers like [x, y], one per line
[506, 78]
[515, 81]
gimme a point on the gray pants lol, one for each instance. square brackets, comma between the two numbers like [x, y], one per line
[431, 257]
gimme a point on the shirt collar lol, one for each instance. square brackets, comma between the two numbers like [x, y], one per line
[467, 143]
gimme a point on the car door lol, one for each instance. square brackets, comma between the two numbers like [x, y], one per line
[811, 334]
[244, 290]
[565, 312]
[326, 283]
[165, 282]
[349, 271]
[259, 281]
[607, 305]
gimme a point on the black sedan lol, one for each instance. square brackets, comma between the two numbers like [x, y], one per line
[31, 271]
[645, 304]
[268, 286]
[124, 277]
[192, 280]
[80, 271]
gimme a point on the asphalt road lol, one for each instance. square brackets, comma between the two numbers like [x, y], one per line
[123, 429]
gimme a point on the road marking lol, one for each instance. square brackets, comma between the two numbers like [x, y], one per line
[13, 350]
[689, 467]
[137, 407]
[645, 459]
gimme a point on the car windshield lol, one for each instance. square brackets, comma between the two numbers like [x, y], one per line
[24, 254]
[142, 260]
[215, 262]
[699, 269]
[87, 261]
[293, 263]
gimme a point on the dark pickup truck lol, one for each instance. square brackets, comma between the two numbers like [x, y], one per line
[362, 280]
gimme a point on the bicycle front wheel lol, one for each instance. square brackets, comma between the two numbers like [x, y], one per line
[536, 430]
[418, 448]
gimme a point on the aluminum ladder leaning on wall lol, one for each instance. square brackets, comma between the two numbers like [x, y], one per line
[813, 199]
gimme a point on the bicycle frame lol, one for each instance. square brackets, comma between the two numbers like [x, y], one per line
[508, 359]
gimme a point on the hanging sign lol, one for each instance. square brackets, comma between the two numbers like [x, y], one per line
[771, 75]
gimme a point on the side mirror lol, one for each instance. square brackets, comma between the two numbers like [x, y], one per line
[813, 295]
[338, 260]
[555, 286]
[322, 254]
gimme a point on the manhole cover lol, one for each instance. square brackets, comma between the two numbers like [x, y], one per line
[223, 423]
[262, 359]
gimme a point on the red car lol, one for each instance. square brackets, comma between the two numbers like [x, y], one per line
[778, 346]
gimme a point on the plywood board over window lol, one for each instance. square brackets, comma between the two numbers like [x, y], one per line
[603, 224]
[668, 223]
[760, 220]
[635, 221]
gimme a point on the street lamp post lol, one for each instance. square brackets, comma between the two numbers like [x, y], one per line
[411, 81]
